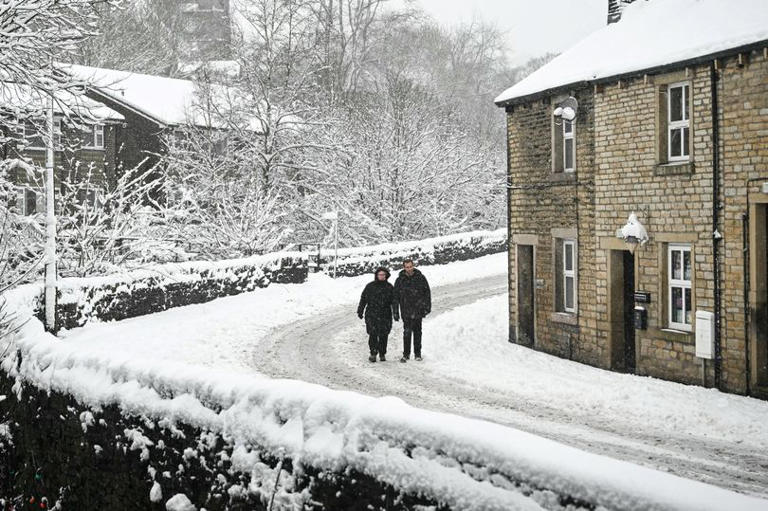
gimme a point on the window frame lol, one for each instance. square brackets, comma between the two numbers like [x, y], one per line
[566, 137]
[572, 274]
[681, 283]
[93, 137]
[682, 124]
[57, 137]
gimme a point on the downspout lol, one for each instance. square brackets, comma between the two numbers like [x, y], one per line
[745, 262]
[512, 334]
[716, 237]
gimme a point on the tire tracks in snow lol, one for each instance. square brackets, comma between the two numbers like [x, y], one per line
[331, 349]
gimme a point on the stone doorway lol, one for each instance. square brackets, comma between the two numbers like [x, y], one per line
[758, 293]
[526, 295]
[621, 283]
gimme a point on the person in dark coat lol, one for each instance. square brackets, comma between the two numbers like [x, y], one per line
[378, 306]
[414, 300]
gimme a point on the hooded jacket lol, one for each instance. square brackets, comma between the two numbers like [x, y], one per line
[378, 306]
[413, 294]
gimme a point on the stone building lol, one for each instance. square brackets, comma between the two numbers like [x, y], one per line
[638, 196]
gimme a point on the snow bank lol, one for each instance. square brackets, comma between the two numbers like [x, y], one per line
[681, 30]
[463, 463]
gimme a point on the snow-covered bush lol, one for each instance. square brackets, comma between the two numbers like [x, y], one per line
[442, 250]
[161, 287]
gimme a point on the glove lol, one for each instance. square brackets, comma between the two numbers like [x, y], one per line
[360, 316]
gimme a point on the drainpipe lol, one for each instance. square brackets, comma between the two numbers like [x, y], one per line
[713, 78]
[745, 262]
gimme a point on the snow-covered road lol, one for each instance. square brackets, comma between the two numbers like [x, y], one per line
[310, 332]
[468, 370]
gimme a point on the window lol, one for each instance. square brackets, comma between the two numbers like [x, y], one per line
[88, 197]
[566, 287]
[29, 202]
[678, 122]
[568, 164]
[569, 276]
[94, 137]
[33, 135]
[679, 268]
[563, 143]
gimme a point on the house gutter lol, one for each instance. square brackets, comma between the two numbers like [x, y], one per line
[716, 237]
[704, 59]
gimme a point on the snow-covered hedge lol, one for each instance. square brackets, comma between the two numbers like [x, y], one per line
[161, 287]
[442, 250]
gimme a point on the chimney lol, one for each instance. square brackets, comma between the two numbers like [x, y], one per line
[614, 9]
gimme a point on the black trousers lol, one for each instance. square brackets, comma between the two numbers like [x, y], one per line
[377, 343]
[411, 328]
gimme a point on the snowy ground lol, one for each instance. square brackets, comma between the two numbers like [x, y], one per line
[310, 332]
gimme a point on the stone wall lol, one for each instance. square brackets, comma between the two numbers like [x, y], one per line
[57, 453]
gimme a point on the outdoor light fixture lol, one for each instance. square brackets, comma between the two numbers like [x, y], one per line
[567, 109]
[633, 233]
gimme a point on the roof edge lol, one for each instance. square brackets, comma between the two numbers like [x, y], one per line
[650, 70]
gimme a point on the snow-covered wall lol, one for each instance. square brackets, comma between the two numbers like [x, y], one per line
[162, 428]
[157, 288]
[442, 250]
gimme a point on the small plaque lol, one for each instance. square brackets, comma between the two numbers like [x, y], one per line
[539, 283]
[642, 297]
[765, 187]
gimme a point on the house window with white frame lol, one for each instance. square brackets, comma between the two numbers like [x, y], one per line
[568, 146]
[94, 137]
[680, 268]
[566, 278]
[678, 122]
[569, 276]
[28, 201]
[36, 139]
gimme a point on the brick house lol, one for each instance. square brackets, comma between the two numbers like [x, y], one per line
[84, 141]
[120, 123]
[674, 130]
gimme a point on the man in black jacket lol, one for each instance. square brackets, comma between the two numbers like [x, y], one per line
[414, 298]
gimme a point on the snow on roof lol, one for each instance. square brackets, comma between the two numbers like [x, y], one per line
[25, 100]
[651, 34]
[169, 101]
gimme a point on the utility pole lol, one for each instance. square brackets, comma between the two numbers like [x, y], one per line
[50, 224]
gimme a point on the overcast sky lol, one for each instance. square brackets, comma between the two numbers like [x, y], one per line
[534, 27]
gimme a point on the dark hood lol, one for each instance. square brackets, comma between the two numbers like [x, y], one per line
[381, 268]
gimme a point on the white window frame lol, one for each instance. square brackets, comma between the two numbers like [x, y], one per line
[57, 136]
[572, 273]
[681, 125]
[95, 130]
[21, 200]
[569, 136]
[681, 283]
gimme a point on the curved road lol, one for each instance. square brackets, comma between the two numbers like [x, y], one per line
[331, 350]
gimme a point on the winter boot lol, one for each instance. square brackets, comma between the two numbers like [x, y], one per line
[403, 360]
[372, 358]
[382, 358]
[418, 359]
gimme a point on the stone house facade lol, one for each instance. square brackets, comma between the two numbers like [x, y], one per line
[681, 144]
